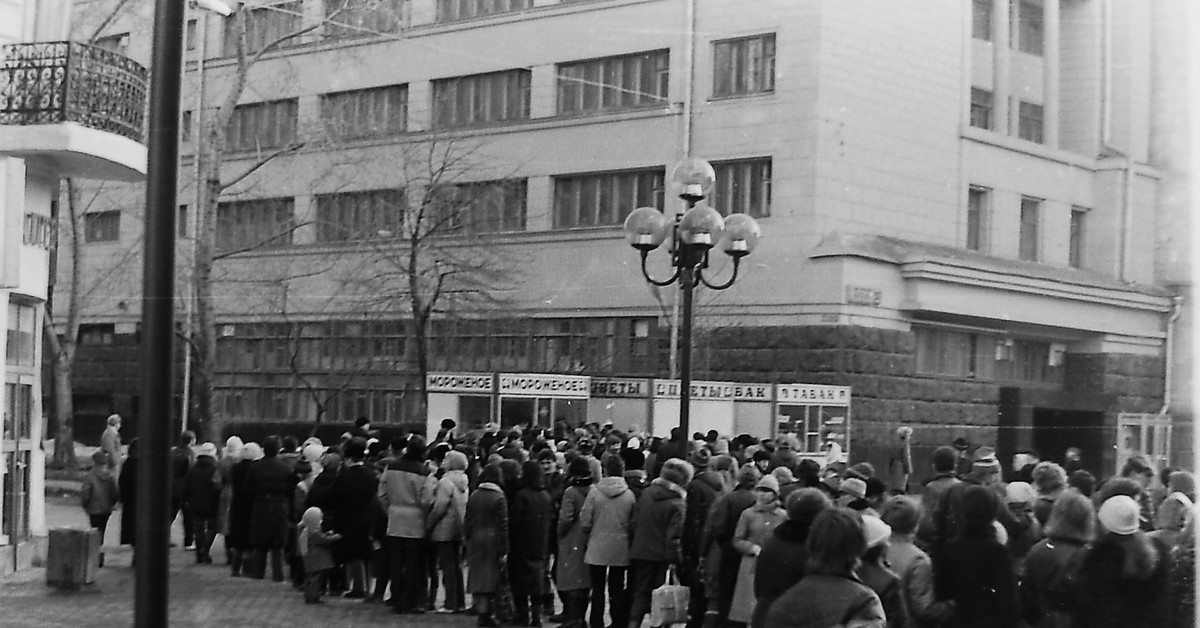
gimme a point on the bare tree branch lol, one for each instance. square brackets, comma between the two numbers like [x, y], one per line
[262, 161]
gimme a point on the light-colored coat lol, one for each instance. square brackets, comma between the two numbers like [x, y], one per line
[605, 517]
[406, 494]
[449, 507]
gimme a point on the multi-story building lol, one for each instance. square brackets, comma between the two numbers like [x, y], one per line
[964, 204]
[66, 110]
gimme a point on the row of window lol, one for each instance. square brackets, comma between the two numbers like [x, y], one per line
[743, 66]
[1030, 116]
[1027, 24]
[979, 210]
[985, 356]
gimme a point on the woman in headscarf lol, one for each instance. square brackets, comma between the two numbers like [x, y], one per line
[1123, 579]
[229, 457]
[485, 529]
[240, 504]
[754, 527]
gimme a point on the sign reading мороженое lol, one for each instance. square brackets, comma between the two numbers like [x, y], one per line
[459, 382]
[669, 389]
[525, 385]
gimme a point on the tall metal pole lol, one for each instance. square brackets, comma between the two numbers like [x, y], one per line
[687, 284]
[158, 295]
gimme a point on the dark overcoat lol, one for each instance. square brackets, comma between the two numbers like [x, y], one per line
[485, 528]
[271, 483]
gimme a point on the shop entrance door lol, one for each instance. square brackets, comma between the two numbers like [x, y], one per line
[1056, 430]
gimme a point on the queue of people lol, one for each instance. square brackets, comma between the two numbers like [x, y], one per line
[512, 527]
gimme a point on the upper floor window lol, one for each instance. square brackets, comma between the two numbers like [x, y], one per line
[1075, 246]
[978, 201]
[38, 231]
[1030, 122]
[1028, 27]
[118, 43]
[96, 333]
[1030, 244]
[266, 26]
[362, 18]
[981, 19]
[603, 199]
[262, 125]
[638, 80]
[981, 108]
[257, 224]
[453, 10]
[481, 207]
[743, 187]
[744, 66]
[481, 99]
[22, 324]
[352, 216]
[189, 35]
[102, 226]
[375, 112]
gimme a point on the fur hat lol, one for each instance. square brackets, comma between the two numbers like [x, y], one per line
[783, 475]
[985, 461]
[854, 487]
[677, 471]
[700, 457]
[1019, 492]
[579, 467]
[99, 457]
[748, 475]
[1120, 515]
[806, 504]
[902, 513]
[875, 530]
[207, 449]
[769, 483]
[252, 451]
[875, 487]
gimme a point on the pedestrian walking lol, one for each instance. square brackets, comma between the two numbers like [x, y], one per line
[182, 459]
[754, 527]
[99, 495]
[606, 516]
[230, 455]
[202, 497]
[110, 442]
[355, 488]
[485, 529]
[657, 529]
[313, 544]
[719, 530]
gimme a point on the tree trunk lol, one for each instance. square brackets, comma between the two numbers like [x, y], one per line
[64, 410]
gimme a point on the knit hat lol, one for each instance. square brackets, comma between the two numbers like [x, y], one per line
[677, 471]
[1019, 492]
[783, 475]
[875, 530]
[854, 487]
[806, 503]
[902, 513]
[1119, 514]
[207, 449]
[768, 482]
[312, 452]
[700, 457]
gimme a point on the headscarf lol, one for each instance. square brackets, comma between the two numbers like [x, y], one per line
[252, 451]
[233, 447]
[310, 521]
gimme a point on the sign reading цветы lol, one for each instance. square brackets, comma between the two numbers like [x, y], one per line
[532, 385]
[669, 389]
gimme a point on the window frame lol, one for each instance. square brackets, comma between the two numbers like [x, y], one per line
[1029, 245]
[242, 225]
[981, 20]
[578, 194]
[979, 228]
[758, 76]
[1077, 237]
[1031, 122]
[981, 109]
[368, 210]
[479, 100]
[366, 108]
[281, 118]
[743, 185]
[1029, 34]
[615, 89]
[96, 229]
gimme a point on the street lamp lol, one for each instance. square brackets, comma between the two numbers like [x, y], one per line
[693, 234]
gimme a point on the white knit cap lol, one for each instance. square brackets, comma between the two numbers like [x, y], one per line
[875, 530]
[1120, 514]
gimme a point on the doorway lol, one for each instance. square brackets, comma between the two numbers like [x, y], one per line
[1056, 430]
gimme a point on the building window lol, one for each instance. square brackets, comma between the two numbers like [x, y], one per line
[38, 231]
[744, 66]
[639, 80]
[954, 353]
[483, 207]
[354, 216]
[102, 226]
[1030, 124]
[262, 125]
[185, 126]
[189, 35]
[22, 323]
[981, 108]
[115, 43]
[181, 222]
[1028, 27]
[981, 19]
[257, 224]
[977, 218]
[605, 199]
[1075, 247]
[265, 26]
[362, 18]
[743, 187]
[481, 99]
[1031, 209]
[96, 333]
[454, 10]
[375, 112]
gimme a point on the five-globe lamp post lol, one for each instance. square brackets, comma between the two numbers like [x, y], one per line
[692, 236]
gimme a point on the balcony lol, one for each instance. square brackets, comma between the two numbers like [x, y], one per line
[80, 107]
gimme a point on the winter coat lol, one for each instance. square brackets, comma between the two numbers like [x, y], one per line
[977, 573]
[241, 502]
[928, 534]
[1182, 583]
[110, 443]
[916, 582]
[530, 524]
[779, 567]
[449, 507]
[606, 516]
[754, 527]
[354, 490]
[270, 482]
[1049, 580]
[1023, 530]
[182, 459]
[702, 493]
[485, 529]
[571, 573]
[406, 493]
[823, 601]
[1108, 598]
[657, 524]
[100, 492]
[202, 488]
[127, 488]
[886, 584]
[224, 469]
[315, 548]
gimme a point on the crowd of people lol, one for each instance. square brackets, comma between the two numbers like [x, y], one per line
[579, 527]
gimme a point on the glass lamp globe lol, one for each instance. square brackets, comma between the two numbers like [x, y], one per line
[693, 178]
[741, 235]
[701, 226]
[646, 228]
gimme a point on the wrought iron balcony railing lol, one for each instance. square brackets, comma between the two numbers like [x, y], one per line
[65, 81]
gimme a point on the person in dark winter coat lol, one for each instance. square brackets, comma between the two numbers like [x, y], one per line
[718, 539]
[182, 459]
[702, 493]
[355, 490]
[530, 517]
[976, 571]
[829, 594]
[127, 487]
[271, 483]
[1050, 574]
[485, 529]
[99, 495]
[874, 572]
[657, 531]
[929, 537]
[571, 572]
[1182, 579]
[202, 496]
[606, 517]
[782, 562]
[1123, 579]
[241, 504]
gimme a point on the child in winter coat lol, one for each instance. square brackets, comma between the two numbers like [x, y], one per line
[100, 495]
[313, 545]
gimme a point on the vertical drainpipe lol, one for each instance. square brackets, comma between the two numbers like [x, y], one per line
[1168, 372]
[189, 302]
[1106, 112]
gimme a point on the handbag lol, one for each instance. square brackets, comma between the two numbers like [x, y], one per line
[503, 608]
[669, 602]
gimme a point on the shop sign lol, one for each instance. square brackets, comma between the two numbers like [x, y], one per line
[862, 295]
[466, 383]
[561, 386]
[813, 394]
[611, 387]
[719, 391]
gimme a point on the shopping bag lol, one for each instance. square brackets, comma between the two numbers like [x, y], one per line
[502, 605]
[669, 603]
